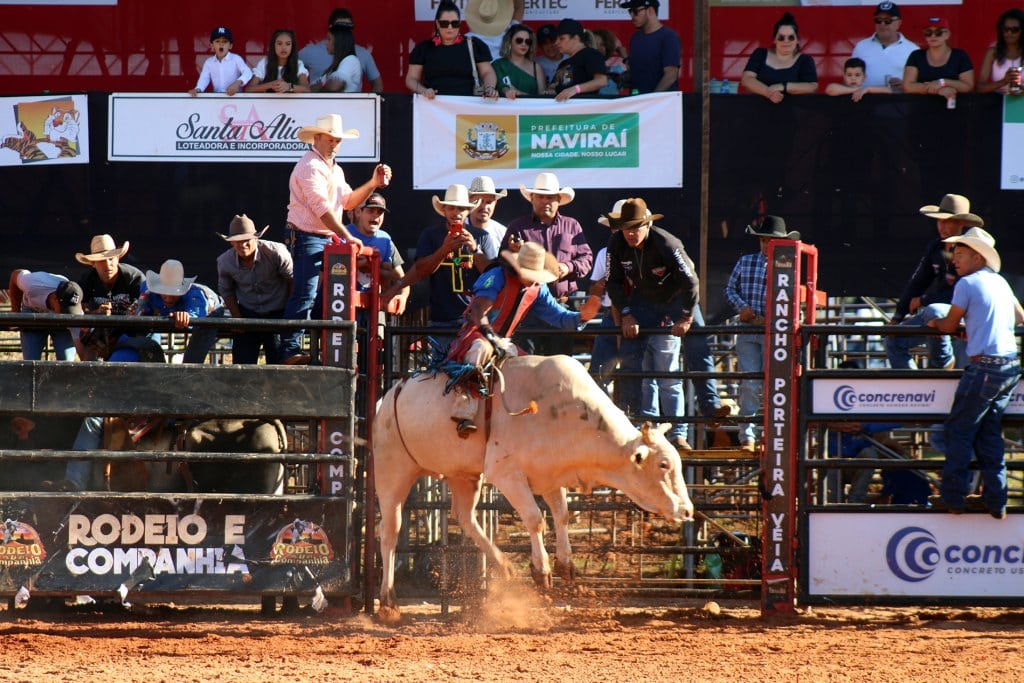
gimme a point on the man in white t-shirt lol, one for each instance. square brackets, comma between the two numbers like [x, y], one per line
[316, 57]
[885, 53]
[482, 190]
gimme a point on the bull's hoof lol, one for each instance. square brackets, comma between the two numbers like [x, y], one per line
[268, 605]
[540, 578]
[565, 571]
[389, 614]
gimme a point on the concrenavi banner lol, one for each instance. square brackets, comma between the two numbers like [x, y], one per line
[551, 11]
[50, 129]
[1012, 172]
[892, 397]
[617, 143]
[243, 128]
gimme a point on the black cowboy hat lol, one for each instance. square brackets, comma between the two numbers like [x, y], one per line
[773, 226]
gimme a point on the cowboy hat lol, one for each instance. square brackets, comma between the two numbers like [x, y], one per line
[633, 212]
[982, 242]
[484, 184]
[616, 209]
[773, 226]
[489, 17]
[171, 279]
[547, 184]
[455, 195]
[533, 263]
[101, 248]
[328, 124]
[953, 206]
[242, 228]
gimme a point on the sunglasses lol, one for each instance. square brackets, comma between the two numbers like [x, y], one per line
[879, 20]
[928, 33]
[1011, 29]
[785, 39]
[523, 41]
[446, 23]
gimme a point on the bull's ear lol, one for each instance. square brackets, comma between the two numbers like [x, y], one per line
[645, 432]
[640, 454]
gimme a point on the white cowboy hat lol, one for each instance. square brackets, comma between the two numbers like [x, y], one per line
[533, 263]
[489, 17]
[328, 124]
[547, 184]
[171, 280]
[953, 206]
[484, 184]
[101, 248]
[982, 242]
[455, 195]
[242, 228]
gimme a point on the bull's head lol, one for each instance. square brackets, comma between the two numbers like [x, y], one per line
[657, 475]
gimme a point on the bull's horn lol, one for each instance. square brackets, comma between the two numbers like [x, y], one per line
[645, 432]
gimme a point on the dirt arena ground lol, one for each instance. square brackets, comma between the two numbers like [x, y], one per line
[522, 639]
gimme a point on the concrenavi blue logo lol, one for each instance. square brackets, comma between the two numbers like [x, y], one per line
[845, 398]
[912, 554]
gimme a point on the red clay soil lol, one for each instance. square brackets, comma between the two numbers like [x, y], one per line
[521, 638]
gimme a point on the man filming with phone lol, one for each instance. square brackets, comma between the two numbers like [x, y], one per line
[452, 254]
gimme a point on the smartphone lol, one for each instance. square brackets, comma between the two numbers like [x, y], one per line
[454, 227]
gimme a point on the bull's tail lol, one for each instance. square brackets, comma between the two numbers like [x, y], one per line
[530, 409]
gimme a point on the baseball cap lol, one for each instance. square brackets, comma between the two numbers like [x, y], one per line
[570, 27]
[375, 201]
[546, 33]
[637, 4]
[940, 22]
[69, 295]
[889, 8]
[221, 32]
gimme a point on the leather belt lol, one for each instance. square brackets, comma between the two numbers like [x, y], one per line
[994, 360]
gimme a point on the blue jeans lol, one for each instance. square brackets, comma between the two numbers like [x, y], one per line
[663, 396]
[604, 354]
[749, 358]
[90, 436]
[245, 347]
[33, 343]
[697, 355]
[307, 264]
[940, 349]
[974, 427]
[201, 340]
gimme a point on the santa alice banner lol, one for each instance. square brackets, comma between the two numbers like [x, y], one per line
[589, 143]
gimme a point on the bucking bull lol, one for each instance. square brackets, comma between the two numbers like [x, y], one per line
[576, 438]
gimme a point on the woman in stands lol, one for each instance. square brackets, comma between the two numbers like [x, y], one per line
[345, 74]
[445, 64]
[939, 69]
[516, 72]
[781, 69]
[1000, 69]
[281, 70]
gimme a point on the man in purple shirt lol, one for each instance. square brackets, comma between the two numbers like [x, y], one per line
[563, 237]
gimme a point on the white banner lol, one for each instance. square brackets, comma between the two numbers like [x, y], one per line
[51, 129]
[551, 11]
[243, 128]
[960, 556]
[893, 397]
[618, 143]
[1012, 175]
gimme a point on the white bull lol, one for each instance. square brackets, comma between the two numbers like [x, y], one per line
[576, 438]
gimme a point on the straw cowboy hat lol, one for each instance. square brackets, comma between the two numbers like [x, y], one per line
[489, 17]
[547, 184]
[953, 206]
[633, 212]
[455, 195]
[171, 280]
[982, 242]
[533, 263]
[616, 210]
[484, 184]
[101, 248]
[328, 124]
[774, 227]
[242, 228]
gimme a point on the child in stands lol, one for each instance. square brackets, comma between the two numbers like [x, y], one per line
[225, 70]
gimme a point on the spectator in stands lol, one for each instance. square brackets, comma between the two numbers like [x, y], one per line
[318, 57]
[368, 224]
[255, 278]
[1000, 68]
[486, 196]
[561, 235]
[169, 294]
[448, 63]
[604, 353]
[225, 70]
[581, 73]
[939, 69]
[516, 72]
[608, 44]
[281, 70]
[39, 292]
[652, 283]
[747, 291]
[850, 440]
[452, 254]
[853, 82]
[927, 295]
[344, 73]
[885, 52]
[985, 302]
[781, 69]
[654, 49]
[110, 287]
[548, 54]
[489, 20]
[317, 197]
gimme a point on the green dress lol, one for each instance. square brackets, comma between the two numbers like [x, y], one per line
[508, 73]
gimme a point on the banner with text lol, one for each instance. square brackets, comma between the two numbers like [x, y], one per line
[892, 397]
[551, 11]
[52, 129]
[1012, 175]
[626, 142]
[243, 128]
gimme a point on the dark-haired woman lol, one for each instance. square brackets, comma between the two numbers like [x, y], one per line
[444, 64]
[781, 69]
[345, 74]
[1000, 68]
[281, 70]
